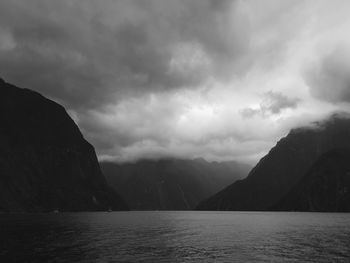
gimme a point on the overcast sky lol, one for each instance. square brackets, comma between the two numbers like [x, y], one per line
[217, 79]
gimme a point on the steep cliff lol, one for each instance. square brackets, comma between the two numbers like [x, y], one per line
[283, 167]
[45, 163]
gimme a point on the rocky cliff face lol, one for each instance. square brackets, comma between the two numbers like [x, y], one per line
[282, 167]
[45, 163]
[324, 188]
[171, 184]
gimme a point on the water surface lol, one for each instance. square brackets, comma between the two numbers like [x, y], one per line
[175, 237]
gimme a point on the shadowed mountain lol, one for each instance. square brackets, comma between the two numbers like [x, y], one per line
[45, 163]
[170, 184]
[324, 188]
[283, 167]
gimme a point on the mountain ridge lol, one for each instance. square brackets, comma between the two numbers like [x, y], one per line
[285, 164]
[170, 183]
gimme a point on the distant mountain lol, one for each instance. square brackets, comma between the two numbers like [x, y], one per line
[324, 188]
[45, 163]
[282, 168]
[171, 184]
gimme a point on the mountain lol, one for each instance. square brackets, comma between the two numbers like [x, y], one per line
[45, 163]
[283, 167]
[170, 184]
[324, 188]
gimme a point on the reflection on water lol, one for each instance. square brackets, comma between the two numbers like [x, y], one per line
[175, 237]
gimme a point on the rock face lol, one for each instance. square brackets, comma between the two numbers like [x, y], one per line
[283, 167]
[171, 184]
[324, 188]
[45, 163]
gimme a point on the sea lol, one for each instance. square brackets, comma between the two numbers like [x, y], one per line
[175, 236]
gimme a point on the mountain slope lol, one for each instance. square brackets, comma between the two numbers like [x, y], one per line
[171, 184]
[324, 188]
[282, 167]
[45, 163]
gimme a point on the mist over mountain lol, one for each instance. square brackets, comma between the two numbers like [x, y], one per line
[324, 188]
[171, 184]
[45, 163]
[283, 167]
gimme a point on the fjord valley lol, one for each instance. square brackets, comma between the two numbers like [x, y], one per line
[175, 131]
[46, 165]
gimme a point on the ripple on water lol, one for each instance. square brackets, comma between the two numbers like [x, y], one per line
[175, 237]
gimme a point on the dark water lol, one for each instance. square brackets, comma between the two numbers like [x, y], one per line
[175, 237]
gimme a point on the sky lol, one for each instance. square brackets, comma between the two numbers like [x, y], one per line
[217, 79]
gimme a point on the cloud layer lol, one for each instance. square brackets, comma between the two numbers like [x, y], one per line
[218, 79]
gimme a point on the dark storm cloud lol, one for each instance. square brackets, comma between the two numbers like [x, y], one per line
[272, 103]
[51, 53]
[330, 79]
[86, 54]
